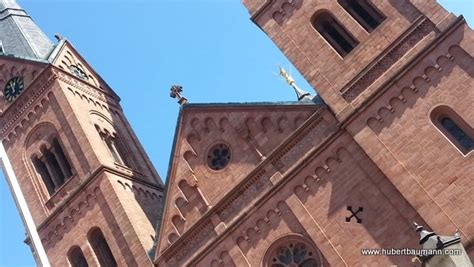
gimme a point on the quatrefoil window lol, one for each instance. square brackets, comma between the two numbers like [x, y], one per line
[218, 157]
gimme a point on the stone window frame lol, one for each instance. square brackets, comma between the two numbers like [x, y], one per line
[70, 259]
[45, 133]
[208, 151]
[267, 260]
[445, 111]
[338, 27]
[115, 146]
[104, 261]
[369, 8]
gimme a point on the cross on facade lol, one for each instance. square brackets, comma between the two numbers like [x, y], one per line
[175, 92]
[354, 214]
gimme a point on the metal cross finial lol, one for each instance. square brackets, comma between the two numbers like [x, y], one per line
[175, 92]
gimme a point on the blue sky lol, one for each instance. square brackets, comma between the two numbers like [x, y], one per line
[142, 47]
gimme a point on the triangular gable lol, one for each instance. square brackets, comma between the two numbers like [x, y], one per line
[10, 67]
[216, 147]
[70, 61]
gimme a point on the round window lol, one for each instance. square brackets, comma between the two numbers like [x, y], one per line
[218, 157]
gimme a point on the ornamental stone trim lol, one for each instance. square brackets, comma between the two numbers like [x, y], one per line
[422, 27]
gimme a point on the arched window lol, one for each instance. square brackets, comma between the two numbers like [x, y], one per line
[364, 12]
[101, 248]
[61, 158]
[114, 146]
[40, 167]
[76, 257]
[454, 128]
[293, 251]
[52, 165]
[334, 33]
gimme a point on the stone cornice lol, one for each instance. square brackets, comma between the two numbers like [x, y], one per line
[85, 183]
[87, 88]
[399, 74]
[260, 10]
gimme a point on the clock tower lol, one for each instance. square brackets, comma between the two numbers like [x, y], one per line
[92, 192]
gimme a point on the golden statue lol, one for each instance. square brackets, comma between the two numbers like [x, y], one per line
[302, 95]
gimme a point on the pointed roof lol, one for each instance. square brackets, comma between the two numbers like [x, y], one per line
[19, 35]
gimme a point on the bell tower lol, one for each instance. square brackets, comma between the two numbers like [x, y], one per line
[91, 189]
[398, 76]
[346, 49]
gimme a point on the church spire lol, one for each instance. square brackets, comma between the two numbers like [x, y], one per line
[19, 35]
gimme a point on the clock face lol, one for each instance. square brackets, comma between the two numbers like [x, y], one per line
[13, 88]
[78, 72]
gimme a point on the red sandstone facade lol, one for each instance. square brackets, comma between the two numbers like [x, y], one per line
[264, 184]
[323, 182]
[117, 197]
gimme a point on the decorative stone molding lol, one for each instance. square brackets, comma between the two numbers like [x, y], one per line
[245, 195]
[54, 232]
[320, 173]
[140, 191]
[223, 259]
[285, 9]
[421, 28]
[261, 224]
[401, 97]
[190, 243]
[25, 105]
[299, 144]
[280, 10]
[86, 91]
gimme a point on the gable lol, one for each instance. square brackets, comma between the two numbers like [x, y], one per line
[70, 61]
[216, 147]
[14, 67]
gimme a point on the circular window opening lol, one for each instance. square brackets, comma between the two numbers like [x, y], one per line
[218, 157]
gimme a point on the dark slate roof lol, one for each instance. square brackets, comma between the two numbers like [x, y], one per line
[19, 35]
[316, 100]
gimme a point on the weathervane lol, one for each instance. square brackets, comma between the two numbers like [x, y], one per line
[302, 95]
[176, 93]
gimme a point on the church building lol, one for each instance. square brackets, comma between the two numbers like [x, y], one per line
[335, 178]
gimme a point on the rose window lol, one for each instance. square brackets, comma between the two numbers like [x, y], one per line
[294, 255]
[218, 157]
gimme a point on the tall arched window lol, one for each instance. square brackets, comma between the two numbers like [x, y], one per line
[40, 167]
[61, 158]
[454, 128]
[101, 248]
[114, 146]
[52, 165]
[334, 33]
[293, 251]
[364, 12]
[76, 257]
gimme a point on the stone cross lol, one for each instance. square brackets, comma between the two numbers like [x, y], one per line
[176, 91]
